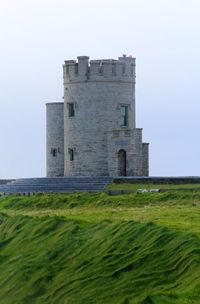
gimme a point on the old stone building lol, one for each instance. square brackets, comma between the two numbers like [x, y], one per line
[93, 132]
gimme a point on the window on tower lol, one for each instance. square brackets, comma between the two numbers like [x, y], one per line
[54, 152]
[71, 110]
[124, 116]
[71, 154]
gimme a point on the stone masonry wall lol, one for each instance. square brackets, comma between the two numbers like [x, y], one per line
[55, 139]
[97, 111]
[145, 157]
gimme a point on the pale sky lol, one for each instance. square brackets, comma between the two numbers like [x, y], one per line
[38, 35]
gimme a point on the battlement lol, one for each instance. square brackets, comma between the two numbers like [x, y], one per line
[122, 69]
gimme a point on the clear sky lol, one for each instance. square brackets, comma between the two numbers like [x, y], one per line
[36, 36]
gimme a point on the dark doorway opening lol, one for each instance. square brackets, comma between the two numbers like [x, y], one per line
[122, 163]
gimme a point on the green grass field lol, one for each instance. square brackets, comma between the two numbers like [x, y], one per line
[93, 248]
[135, 186]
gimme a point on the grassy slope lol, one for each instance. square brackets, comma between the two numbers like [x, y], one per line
[92, 248]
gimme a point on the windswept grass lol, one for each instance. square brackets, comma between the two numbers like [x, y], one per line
[53, 260]
[141, 248]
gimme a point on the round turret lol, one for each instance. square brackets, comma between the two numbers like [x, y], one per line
[55, 139]
[99, 98]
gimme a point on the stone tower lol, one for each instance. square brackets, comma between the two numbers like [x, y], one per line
[93, 133]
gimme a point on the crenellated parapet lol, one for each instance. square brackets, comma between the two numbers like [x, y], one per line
[122, 70]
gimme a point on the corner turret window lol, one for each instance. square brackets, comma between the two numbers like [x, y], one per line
[124, 116]
[71, 110]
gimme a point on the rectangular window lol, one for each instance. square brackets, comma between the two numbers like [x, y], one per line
[71, 111]
[71, 154]
[124, 116]
[54, 152]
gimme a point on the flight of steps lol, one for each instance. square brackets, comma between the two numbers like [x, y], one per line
[30, 186]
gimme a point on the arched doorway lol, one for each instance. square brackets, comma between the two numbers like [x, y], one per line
[122, 163]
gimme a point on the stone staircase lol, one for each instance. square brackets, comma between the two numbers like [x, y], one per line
[29, 186]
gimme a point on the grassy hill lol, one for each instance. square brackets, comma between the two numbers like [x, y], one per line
[94, 248]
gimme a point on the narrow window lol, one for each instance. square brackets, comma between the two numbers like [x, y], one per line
[54, 152]
[71, 154]
[67, 69]
[122, 162]
[71, 111]
[124, 116]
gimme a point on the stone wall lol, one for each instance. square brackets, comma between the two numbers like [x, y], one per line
[97, 111]
[55, 139]
[129, 141]
[145, 159]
